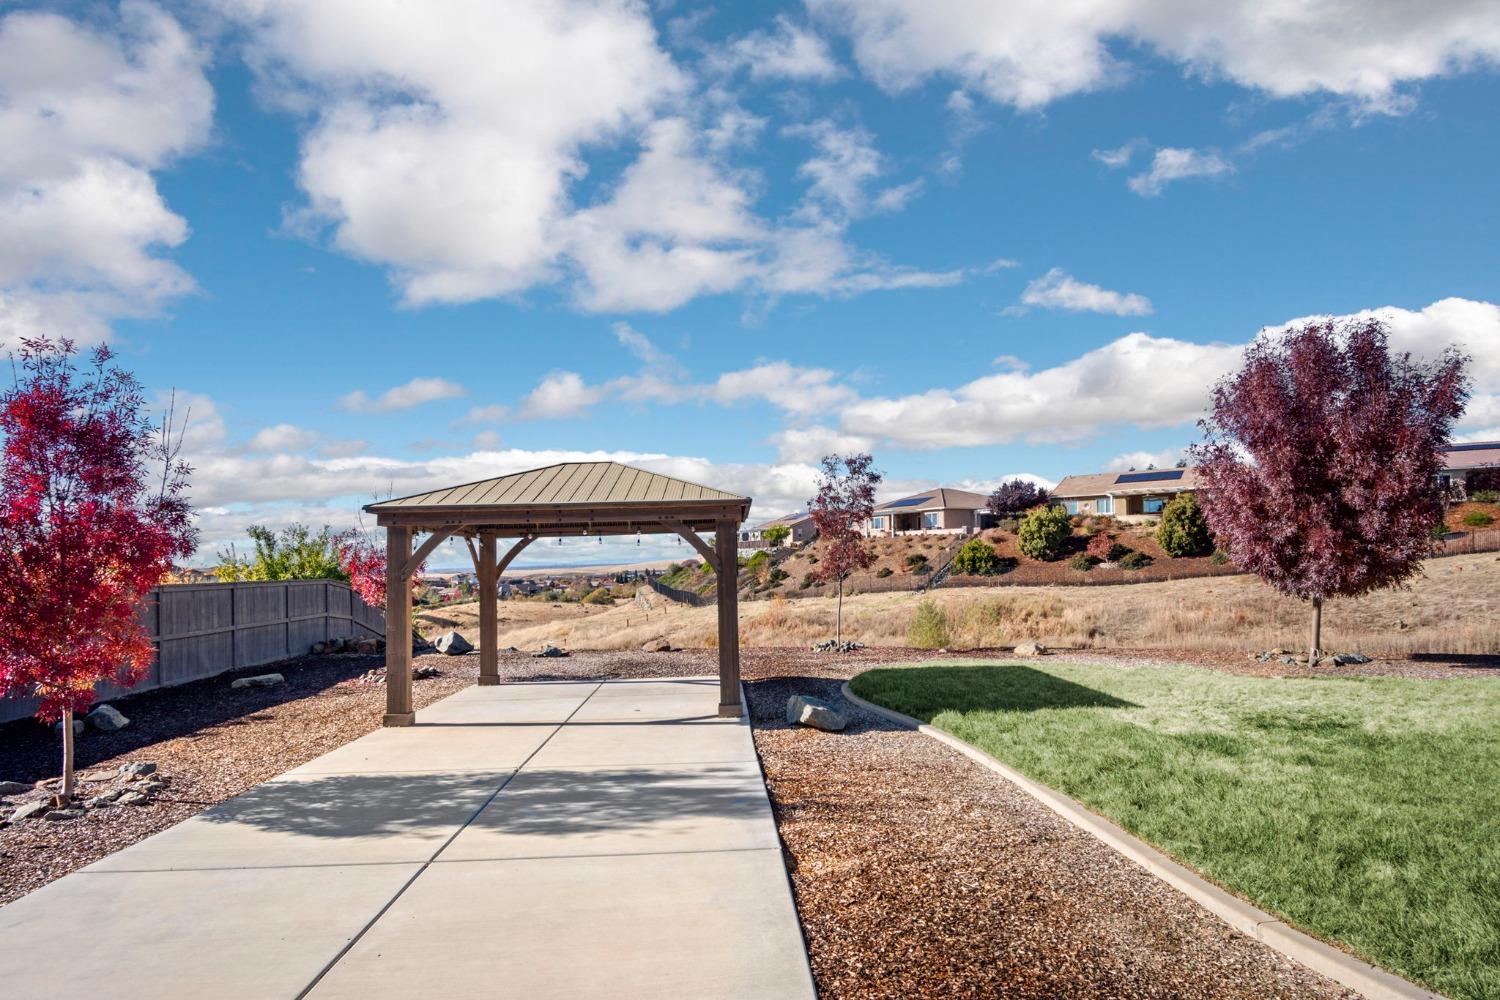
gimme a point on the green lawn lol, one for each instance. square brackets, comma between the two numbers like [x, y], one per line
[1366, 811]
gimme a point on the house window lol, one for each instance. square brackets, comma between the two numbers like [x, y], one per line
[1071, 506]
[1153, 505]
[1105, 505]
[930, 520]
[878, 523]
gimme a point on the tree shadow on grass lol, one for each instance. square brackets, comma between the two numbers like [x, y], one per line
[926, 692]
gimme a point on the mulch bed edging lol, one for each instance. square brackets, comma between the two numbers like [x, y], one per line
[1322, 958]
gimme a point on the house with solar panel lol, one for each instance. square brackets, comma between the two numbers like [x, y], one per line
[941, 511]
[1473, 465]
[1129, 496]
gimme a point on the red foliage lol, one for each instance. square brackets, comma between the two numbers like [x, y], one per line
[1338, 495]
[1100, 546]
[845, 501]
[87, 525]
[364, 561]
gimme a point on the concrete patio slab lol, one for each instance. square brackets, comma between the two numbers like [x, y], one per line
[709, 741]
[503, 846]
[624, 927]
[642, 810]
[245, 933]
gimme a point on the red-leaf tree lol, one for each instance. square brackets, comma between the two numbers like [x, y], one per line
[92, 514]
[364, 561]
[845, 501]
[1320, 467]
[1016, 496]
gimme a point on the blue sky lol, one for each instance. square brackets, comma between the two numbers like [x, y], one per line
[379, 246]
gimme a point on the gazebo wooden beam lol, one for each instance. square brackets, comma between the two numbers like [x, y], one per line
[708, 554]
[415, 559]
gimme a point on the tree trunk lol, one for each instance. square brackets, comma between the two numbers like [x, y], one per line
[1316, 633]
[66, 792]
[838, 620]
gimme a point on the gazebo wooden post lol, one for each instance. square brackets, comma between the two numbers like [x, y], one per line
[489, 612]
[398, 706]
[726, 548]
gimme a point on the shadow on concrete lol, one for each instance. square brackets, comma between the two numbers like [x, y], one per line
[554, 802]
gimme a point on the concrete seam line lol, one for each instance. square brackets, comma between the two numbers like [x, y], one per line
[791, 893]
[1274, 933]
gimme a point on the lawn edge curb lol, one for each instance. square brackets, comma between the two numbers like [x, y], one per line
[1342, 968]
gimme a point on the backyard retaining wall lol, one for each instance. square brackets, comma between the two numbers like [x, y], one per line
[204, 629]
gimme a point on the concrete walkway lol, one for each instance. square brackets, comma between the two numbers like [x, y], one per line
[528, 840]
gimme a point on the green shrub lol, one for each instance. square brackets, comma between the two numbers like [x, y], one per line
[1219, 558]
[1009, 524]
[1486, 496]
[1478, 519]
[598, 596]
[1135, 560]
[929, 627]
[883, 572]
[807, 581]
[756, 562]
[1183, 530]
[1083, 562]
[1044, 531]
[976, 558]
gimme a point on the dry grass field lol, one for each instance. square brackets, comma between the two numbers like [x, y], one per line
[1454, 607]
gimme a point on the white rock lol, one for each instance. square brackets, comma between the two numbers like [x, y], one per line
[107, 719]
[258, 681]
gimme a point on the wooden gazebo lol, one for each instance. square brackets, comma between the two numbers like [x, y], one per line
[568, 499]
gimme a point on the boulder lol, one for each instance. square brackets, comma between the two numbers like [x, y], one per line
[369, 646]
[258, 681]
[423, 673]
[657, 646]
[550, 650]
[62, 815]
[94, 777]
[453, 644]
[78, 727]
[105, 798]
[107, 719]
[137, 768]
[1342, 658]
[135, 799]
[30, 810]
[1031, 649]
[15, 787]
[815, 712]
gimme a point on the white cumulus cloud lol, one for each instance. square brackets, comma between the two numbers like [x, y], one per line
[418, 391]
[1057, 289]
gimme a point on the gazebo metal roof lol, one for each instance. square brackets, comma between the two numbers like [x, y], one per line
[570, 498]
[604, 498]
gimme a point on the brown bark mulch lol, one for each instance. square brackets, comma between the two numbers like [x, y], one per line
[916, 872]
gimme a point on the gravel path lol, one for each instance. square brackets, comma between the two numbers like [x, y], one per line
[917, 873]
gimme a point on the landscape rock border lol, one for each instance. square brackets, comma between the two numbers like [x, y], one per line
[1322, 958]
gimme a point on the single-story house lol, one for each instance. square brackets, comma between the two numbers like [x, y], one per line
[1125, 495]
[800, 524]
[941, 511]
[1463, 465]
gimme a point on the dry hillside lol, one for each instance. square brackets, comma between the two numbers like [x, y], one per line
[1454, 607]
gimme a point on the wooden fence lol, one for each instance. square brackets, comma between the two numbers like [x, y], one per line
[204, 629]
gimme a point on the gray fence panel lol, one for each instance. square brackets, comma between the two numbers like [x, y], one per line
[205, 629]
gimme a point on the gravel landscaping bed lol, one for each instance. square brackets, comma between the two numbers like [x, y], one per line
[917, 873]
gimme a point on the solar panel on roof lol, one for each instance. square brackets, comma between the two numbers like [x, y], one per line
[1477, 446]
[1155, 476]
[908, 502]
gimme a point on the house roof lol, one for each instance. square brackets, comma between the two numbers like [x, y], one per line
[942, 498]
[794, 518]
[1100, 484]
[1471, 455]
